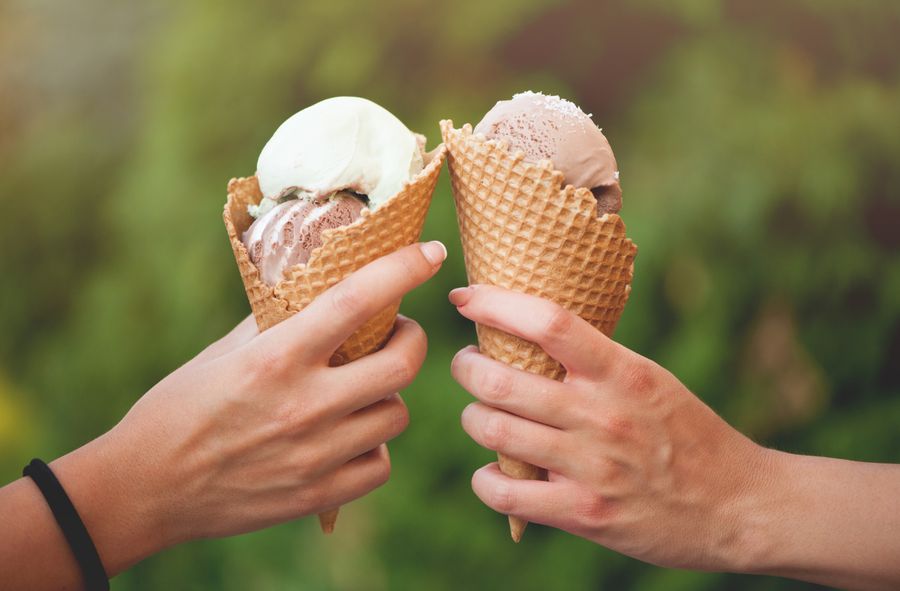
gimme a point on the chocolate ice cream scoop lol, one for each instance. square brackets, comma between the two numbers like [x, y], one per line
[551, 128]
[287, 234]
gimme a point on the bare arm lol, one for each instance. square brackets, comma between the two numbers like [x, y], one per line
[119, 516]
[256, 430]
[837, 522]
[639, 464]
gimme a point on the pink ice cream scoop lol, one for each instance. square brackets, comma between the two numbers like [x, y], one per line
[550, 128]
[286, 235]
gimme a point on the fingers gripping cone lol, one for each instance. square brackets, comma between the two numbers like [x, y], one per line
[521, 230]
[396, 223]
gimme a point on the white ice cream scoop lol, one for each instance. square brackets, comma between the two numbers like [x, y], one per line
[340, 143]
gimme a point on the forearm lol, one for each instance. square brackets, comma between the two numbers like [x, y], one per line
[35, 555]
[836, 522]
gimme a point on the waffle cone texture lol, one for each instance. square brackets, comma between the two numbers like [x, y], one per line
[396, 223]
[522, 230]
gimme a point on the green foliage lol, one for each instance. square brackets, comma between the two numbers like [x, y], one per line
[758, 146]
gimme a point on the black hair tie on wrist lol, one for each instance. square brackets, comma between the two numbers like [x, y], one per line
[73, 529]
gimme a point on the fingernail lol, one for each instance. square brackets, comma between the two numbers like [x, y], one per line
[460, 296]
[466, 350]
[434, 252]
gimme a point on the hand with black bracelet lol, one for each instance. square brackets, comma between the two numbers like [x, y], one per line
[255, 430]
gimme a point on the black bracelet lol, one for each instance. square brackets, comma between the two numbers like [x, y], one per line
[72, 527]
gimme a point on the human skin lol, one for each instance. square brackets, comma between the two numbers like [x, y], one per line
[255, 430]
[639, 464]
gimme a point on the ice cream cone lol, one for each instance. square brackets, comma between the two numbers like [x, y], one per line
[396, 223]
[327, 520]
[521, 230]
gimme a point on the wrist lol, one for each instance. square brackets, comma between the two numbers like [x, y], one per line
[122, 516]
[756, 512]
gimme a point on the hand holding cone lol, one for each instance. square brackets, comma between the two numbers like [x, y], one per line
[396, 223]
[522, 230]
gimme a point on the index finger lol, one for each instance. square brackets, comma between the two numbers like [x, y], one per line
[320, 328]
[571, 340]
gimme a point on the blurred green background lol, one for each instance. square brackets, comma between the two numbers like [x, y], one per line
[759, 144]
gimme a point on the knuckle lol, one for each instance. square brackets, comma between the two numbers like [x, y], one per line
[496, 431]
[558, 324]
[501, 498]
[403, 370]
[292, 417]
[593, 511]
[419, 339]
[496, 386]
[616, 426]
[268, 364]
[638, 376]
[381, 473]
[558, 447]
[412, 263]
[305, 499]
[606, 470]
[307, 465]
[346, 299]
[399, 418]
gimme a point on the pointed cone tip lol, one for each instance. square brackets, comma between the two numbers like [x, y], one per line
[327, 521]
[517, 528]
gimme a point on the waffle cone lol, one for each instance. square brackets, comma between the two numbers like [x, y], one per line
[522, 230]
[396, 223]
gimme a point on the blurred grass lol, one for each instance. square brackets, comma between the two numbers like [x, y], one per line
[758, 144]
